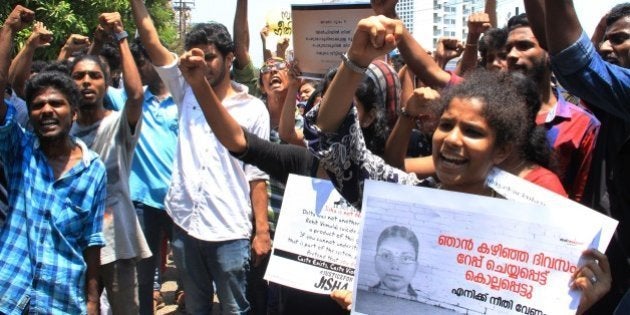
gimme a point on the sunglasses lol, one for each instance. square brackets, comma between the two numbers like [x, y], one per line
[276, 66]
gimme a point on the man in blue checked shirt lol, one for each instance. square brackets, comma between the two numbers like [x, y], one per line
[50, 243]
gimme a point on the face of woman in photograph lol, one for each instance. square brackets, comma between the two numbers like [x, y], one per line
[396, 263]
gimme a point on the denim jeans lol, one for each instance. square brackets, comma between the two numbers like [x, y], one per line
[258, 289]
[156, 224]
[202, 263]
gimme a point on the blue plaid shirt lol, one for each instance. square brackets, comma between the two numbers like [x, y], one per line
[49, 224]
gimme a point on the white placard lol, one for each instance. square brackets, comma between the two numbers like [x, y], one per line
[515, 188]
[315, 244]
[475, 255]
[279, 24]
[323, 32]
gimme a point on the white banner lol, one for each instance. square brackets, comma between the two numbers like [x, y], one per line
[430, 251]
[323, 32]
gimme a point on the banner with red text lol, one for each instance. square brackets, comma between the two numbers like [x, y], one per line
[315, 243]
[430, 251]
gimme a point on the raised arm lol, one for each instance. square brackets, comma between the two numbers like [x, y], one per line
[398, 140]
[491, 10]
[241, 35]
[100, 37]
[73, 44]
[447, 49]
[20, 68]
[286, 127]
[226, 129]
[112, 23]
[477, 24]
[16, 21]
[600, 31]
[374, 36]
[281, 48]
[160, 56]
[264, 32]
[561, 24]
[536, 14]
[416, 107]
[419, 106]
[416, 57]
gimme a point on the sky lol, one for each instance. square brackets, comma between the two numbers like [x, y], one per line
[589, 12]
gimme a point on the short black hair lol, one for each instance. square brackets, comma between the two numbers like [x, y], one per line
[618, 12]
[54, 79]
[60, 66]
[536, 146]
[38, 65]
[320, 89]
[111, 53]
[376, 134]
[493, 39]
[518, 21]
[96, 59]
[138, 52]
[210, 34]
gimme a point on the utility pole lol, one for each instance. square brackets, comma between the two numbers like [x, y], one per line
[182, 9]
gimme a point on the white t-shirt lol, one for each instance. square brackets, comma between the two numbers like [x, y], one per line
[209, 192]
[113, 140]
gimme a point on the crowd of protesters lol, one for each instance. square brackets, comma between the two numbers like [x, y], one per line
[120, 146]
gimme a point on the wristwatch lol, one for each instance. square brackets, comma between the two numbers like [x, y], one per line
[120, 36]
[353, 66]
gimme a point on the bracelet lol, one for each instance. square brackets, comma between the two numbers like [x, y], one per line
[120, 36]
[353, 66]
[404, 113]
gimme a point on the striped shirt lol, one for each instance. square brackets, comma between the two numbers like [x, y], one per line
[572, 133]
[49, 224]
[275, 189]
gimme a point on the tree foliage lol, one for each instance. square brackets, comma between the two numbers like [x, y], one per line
[65, 17]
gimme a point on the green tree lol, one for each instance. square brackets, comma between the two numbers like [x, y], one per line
[65, 17]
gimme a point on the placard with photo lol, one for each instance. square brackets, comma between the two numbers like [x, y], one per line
[430, 251]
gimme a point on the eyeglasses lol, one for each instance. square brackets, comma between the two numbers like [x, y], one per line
[402, 259]
[277, 66]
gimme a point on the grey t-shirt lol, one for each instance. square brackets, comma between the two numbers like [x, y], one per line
[113, 139]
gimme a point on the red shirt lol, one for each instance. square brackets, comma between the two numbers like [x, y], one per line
[547, 179]
[571, 131]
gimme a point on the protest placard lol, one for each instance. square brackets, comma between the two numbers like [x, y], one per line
[323, 32]
[460, 253]
[315, 244]
[515, 188]
[279, 26]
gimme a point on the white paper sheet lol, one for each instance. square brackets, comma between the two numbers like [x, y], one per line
[315, 244]
[476, 254]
